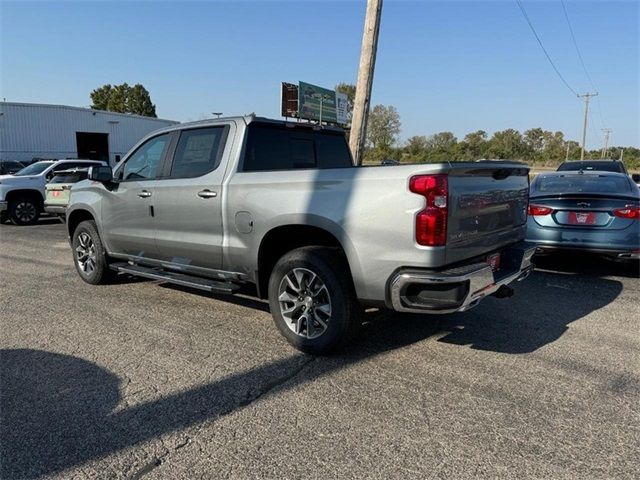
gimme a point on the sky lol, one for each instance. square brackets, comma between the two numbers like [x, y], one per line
[445, 65]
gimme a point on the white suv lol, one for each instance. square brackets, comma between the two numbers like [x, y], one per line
[22, 194]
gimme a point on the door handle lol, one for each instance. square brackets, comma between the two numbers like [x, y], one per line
[144, 194]
[207, 193]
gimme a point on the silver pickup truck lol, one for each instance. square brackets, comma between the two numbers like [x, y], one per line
[219, 204]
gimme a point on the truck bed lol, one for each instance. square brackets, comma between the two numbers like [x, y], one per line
[372, 212]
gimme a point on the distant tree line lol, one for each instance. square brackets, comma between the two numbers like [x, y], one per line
[534, 146]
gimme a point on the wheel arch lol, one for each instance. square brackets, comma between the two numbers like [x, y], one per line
[75, 217]
[285, 238]
[26, 192]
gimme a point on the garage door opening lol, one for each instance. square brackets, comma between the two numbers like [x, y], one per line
[93, 146]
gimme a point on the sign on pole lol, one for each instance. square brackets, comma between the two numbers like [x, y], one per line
[311, 102]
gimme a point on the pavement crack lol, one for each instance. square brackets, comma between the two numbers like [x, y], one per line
[148, 467]
[182, 443]
[252, 396]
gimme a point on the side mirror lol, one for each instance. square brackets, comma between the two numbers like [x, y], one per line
[100, 174]
[635, 177]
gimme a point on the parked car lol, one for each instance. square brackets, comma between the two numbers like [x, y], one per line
[592, 211]
[589, 165]
[9, 167]
[22, 194]
[221, 203]
[57, 190]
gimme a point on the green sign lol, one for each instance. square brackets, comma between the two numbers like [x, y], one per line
[316, 103]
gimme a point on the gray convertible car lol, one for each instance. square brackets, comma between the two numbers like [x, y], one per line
[592, 211]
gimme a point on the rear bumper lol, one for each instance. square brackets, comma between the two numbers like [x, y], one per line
[622, 253]
[619, 242]
[458, 289]
[55, 209]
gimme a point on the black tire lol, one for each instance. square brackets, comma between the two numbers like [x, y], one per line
[4, 217]
[24, 210]
[95, 267]
[345, 312]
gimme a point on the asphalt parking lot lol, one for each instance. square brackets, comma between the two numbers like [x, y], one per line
[140, 379]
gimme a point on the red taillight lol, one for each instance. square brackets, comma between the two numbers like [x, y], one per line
[431, 222]
[536, 210]
[628, 212]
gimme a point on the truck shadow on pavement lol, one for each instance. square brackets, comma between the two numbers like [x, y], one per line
[57, 411]
[539, 313]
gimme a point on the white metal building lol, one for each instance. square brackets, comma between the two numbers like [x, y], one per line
[29, 130]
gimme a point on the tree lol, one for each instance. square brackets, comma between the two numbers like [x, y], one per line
[139, 102]
[474, 145]
[350, 91]
[442, 141]
[383, 126]
[100, 97]
[416, 145]
[415, 150]
[123, 99]
[534, 138]
[507, 144]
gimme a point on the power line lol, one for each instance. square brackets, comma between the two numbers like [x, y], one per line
[584, 66]
[526, 17]
[575, 44]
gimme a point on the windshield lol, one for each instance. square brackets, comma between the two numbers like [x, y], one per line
[34, 169]
[591, 165]
[580, 184]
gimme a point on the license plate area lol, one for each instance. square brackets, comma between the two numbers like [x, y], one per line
[494, 260]
[582, 218]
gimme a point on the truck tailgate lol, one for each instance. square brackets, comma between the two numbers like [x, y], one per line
[487, 207]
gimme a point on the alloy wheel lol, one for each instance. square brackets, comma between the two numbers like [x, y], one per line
[305, 303]
[86, 253]
[25, 211]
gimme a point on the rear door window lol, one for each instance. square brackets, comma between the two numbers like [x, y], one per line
[198, 152]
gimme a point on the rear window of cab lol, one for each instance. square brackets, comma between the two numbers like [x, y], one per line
[278, 147]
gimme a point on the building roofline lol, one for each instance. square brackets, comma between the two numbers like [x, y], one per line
[71, 107]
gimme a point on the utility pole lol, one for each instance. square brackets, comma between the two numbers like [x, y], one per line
[607, 132]
[362, 101]
[587, 96]
[566, 157]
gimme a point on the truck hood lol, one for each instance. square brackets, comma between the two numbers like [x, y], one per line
[13, 180]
